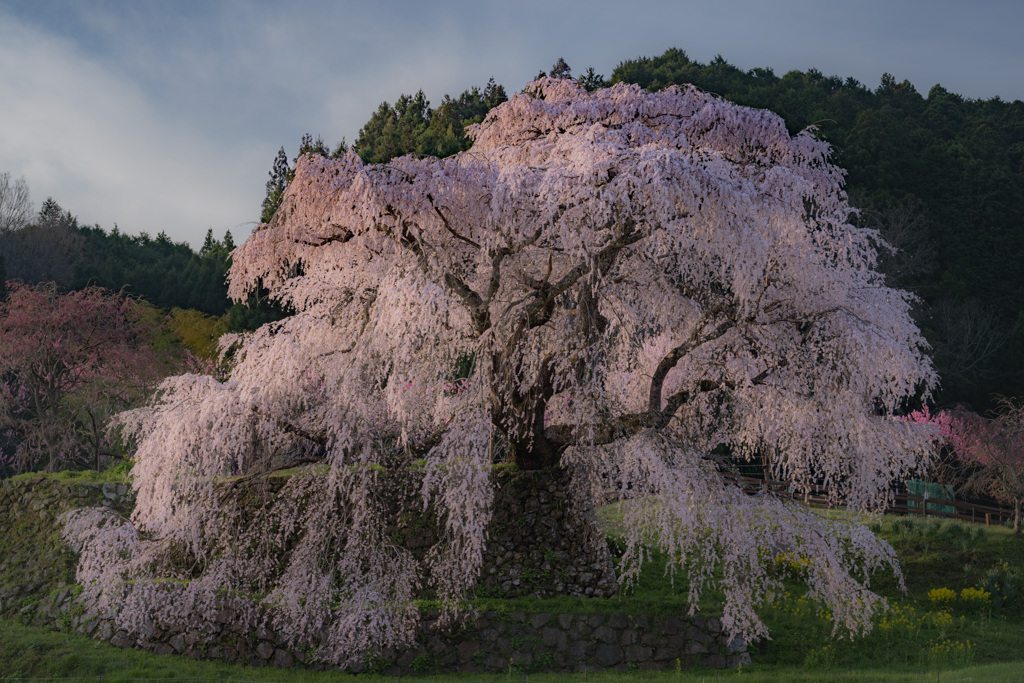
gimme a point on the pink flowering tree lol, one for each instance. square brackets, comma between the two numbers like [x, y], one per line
[635, 279]
[991, 450]
[68, 362]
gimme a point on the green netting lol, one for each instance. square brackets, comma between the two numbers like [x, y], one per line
[934, 490]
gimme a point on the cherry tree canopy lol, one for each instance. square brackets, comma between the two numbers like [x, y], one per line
[991, 451]
[67, 363]
[621, 283]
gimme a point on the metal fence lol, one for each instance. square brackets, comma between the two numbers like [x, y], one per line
[903, 503]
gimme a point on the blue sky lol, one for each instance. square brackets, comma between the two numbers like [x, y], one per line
[166, 116]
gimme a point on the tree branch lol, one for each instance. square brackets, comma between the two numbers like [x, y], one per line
[447, 225]
[697, 339]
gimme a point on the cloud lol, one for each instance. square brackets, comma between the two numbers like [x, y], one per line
[98, 143]
[167, 116]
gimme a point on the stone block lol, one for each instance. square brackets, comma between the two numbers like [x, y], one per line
[579, 650]
[521, 659]
[493, 662]
[664, 654]
[736, 645]
[638, 653]
[409, 656]
[539, 619]
[282, 659]
[604, 634]
[555, 638]
[436, 645]
[696, 634]
[608, 655]
[618, 621]
[504, 645]
[672, 625]
[467, 649]
[264, 650]
[105, 631]
[653, 640]
[715, 662]
[122, 639]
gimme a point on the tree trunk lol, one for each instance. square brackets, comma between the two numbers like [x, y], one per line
[1016, 516]
[538, 455]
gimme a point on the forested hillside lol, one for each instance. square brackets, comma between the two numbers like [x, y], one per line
[54, 247]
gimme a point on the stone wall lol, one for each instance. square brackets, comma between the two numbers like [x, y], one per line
[557, 556]
[543, 544]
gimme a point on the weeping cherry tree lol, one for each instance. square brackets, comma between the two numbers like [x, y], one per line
[641, 289]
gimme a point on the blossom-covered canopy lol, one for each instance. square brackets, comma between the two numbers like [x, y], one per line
[640, 288]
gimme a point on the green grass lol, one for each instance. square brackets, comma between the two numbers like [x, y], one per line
[115, 475]
[27, 653]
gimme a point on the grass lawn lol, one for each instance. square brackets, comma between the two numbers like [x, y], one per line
[929, 634]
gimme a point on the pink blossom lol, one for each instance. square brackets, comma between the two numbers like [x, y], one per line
[641, 278]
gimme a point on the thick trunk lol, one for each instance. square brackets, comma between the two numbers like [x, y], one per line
[540, 455]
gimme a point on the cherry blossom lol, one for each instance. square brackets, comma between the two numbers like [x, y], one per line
[640, 288]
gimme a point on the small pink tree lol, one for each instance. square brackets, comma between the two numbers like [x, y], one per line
[992, 450]
[67, 363]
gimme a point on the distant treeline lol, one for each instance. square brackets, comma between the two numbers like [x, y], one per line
[54, 247]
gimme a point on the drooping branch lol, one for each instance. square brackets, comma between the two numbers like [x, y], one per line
[538, 312]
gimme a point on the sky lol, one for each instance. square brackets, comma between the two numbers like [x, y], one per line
[167, 115]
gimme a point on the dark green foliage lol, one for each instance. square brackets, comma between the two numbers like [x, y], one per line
[166, 273]
[958, 162]
[591, 80]
[394, 130]
[280, 175]
[44, 250]
[255, 311]
[410, 126]
[560, 69]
